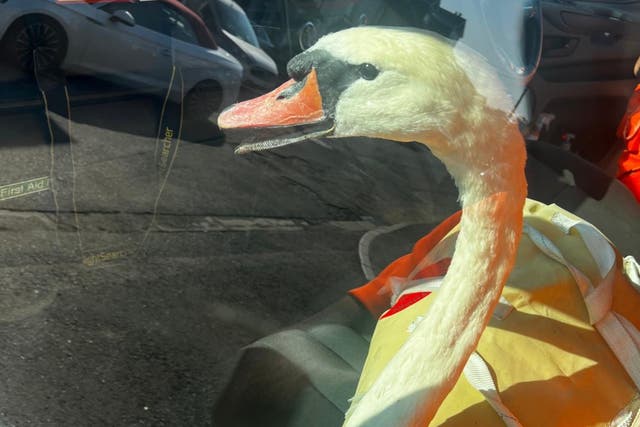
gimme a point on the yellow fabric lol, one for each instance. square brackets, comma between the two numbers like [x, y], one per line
[551, 367]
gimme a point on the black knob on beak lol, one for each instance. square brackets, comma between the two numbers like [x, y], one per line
[300, 65]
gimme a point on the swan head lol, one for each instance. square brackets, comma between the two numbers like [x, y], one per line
[392, 83]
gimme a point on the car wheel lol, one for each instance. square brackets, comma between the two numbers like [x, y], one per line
[201, 108]
[203, 102]
[36, 42]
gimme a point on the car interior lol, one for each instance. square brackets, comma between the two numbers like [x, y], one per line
[154, 277]
[306, 373]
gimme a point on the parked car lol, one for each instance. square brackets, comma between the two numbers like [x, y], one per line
[137, 43]
[232, 30]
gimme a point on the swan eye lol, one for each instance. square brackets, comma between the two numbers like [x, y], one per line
[368, 71]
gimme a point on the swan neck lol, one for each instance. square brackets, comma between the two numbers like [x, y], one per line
[489, 172]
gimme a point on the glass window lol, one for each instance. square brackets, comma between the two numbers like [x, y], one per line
[185, 230]
[158, 17]
[234, 20]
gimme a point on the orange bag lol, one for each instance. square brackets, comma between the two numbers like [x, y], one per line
[629, 162]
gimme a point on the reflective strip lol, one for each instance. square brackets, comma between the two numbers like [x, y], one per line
[477, 373]
[401, 286]
[625, 418]
[631, 330]
[632, 271]
[598, 300]
[598, 245]
[636, 421]
[622, 344]
[476, 370]
[621, 337]
[551, 250]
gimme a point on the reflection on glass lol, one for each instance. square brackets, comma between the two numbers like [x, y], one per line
[141, 258]
[235, 21]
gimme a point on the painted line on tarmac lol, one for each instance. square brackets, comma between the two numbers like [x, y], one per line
[218, 224]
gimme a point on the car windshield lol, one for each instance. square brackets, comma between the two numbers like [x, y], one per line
[233, 19]
[207, 207]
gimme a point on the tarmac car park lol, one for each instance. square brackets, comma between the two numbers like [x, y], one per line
[137, 263]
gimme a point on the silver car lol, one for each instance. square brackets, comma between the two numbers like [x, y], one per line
[136, 42]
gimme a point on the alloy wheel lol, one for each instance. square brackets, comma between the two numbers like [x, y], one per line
[40, 42]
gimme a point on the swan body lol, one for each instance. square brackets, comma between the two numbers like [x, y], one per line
[410, 85]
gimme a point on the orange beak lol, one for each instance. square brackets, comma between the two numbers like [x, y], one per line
[293, 111]
[288, 105]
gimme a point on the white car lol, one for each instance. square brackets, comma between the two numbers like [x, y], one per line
[137, 42]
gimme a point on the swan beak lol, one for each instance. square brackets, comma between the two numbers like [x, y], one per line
[294, 104]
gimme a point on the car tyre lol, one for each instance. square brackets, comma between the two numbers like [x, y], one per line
[203, 102]
[201, 108]
[39, 38]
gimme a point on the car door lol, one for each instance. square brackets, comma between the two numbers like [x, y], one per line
[586, 73]
[196, 61]
[174, 31]
[138, 53]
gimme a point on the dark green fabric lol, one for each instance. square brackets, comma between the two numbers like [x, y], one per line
[300, 377]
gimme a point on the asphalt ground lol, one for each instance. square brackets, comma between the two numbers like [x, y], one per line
[128, 285]
[136, 264]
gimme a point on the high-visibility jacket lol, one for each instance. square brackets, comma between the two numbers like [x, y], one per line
[629, 161]
[563, 346]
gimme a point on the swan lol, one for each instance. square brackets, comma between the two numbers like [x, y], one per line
[412, 85]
